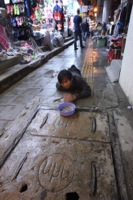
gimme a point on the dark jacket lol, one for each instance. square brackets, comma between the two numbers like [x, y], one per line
[78, 87]
[104, 27]
[77, 21]
[85, 27]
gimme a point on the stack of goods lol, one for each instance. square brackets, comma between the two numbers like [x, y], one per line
[115, 48]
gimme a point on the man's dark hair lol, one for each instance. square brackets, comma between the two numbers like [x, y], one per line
[64, 74]
[78, 11]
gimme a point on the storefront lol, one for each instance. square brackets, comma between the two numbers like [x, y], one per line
[25, 25]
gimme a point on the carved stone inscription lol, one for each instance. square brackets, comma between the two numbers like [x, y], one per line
[92, 126]
[56, 172]
[59, 155]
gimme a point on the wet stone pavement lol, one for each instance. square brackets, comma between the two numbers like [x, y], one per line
[44, 156]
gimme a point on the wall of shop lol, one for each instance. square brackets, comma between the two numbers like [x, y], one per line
[126, 75]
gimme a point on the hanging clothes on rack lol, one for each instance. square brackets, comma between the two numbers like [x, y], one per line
[3, 38]
[58, 17]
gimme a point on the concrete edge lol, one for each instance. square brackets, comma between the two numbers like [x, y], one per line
[117, 158]
[13, 60]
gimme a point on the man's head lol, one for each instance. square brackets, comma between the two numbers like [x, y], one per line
[65, 78]
[78, 11]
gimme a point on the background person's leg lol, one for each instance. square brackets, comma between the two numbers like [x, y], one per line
[75, 40]
[85, 36]
[80, 38]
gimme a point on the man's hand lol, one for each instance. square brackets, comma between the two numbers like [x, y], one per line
[69, 97]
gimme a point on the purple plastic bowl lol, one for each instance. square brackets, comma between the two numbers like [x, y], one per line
[67, 108]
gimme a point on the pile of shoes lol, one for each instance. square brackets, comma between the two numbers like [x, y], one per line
[25, 59]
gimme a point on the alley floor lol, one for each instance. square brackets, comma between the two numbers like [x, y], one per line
[86, 156]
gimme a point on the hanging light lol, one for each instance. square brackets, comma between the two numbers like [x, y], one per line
[95, 9]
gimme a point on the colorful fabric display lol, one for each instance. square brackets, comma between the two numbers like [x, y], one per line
[3, 38]
[20, 21]
[21, 8]
[16, 9]
[57, 13]
[57, 16]
[27, 6]
[13, 21]
[57, 9]
[10, 9]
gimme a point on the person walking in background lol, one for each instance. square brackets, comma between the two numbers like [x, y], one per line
[104, 28]
[77, 30]
[85, 29]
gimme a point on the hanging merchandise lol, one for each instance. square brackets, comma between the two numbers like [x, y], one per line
[58, 17]
[57, 12]
[50, 2]
[4, 42]
[19, 12]
[37, 13]
[122, 18]
[48, 10]
[33, 3]
[16, 32]
[6, 30]
[27, 6]
[122, 14]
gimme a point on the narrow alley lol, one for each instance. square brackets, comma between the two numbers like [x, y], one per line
[85, 156]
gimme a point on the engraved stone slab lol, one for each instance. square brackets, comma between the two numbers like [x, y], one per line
[45, 156]
[56, 172]
[51, 168]
[82, 125]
